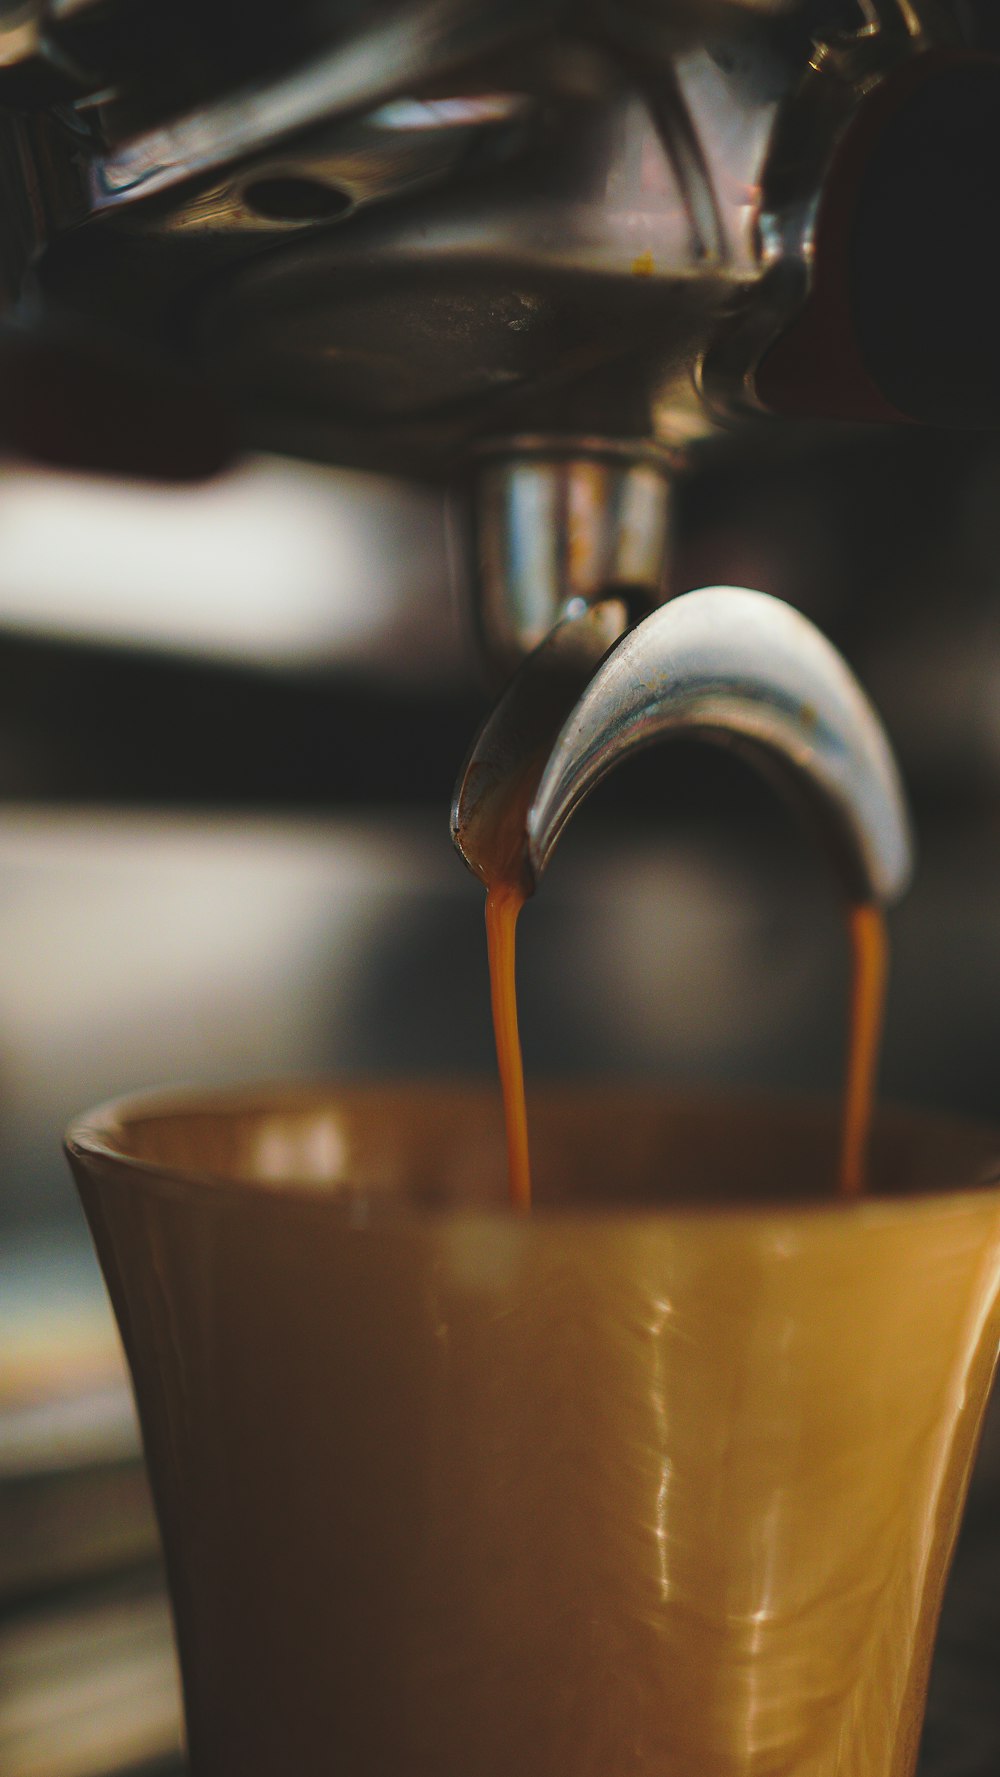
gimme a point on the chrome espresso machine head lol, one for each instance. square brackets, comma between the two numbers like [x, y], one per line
[544, 252]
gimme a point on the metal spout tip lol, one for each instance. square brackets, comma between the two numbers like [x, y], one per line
[748, 671]
[737, 667]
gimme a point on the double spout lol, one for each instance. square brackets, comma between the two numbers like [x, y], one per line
[734, 666]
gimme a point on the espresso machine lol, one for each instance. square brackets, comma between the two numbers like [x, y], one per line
[565, 265]
[546, 255]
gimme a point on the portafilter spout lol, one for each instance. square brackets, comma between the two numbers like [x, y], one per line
[738, 667]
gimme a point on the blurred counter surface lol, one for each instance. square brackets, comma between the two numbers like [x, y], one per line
[87, 1676]
[230, 725]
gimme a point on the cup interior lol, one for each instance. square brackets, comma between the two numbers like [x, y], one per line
[430, 1147]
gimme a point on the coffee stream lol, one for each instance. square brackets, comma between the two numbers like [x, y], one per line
[506, 893]
[869, 969]
[504, 901]
[869, 964]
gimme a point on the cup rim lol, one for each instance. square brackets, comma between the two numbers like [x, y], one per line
[91, 1138]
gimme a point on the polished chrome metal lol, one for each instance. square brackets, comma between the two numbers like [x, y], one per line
[504, 216]
[517, 738]
[747, 670]
[559, 523]
[374, 62]
[566, 291]
[393, 151]
[562, 264]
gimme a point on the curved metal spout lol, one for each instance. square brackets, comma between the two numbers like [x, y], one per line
[746, 670]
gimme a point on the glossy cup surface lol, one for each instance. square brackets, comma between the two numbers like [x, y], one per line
[660, 1481]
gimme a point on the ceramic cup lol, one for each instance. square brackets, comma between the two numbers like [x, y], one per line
[662, 1478]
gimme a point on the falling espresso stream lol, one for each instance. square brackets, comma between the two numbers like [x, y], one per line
[504, 901]
[869, 969]
[869, 963]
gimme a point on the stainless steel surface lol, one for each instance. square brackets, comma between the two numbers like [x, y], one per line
[559, 524]
[575, 220]
[566, 286]
[385, 236]
[748, 670]
[734, 666]
[388, 235]
[374, 61]
[395, 149]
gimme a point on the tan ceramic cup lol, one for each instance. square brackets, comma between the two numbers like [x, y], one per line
[660, 1481]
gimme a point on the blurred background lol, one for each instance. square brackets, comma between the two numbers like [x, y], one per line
[232, 715]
